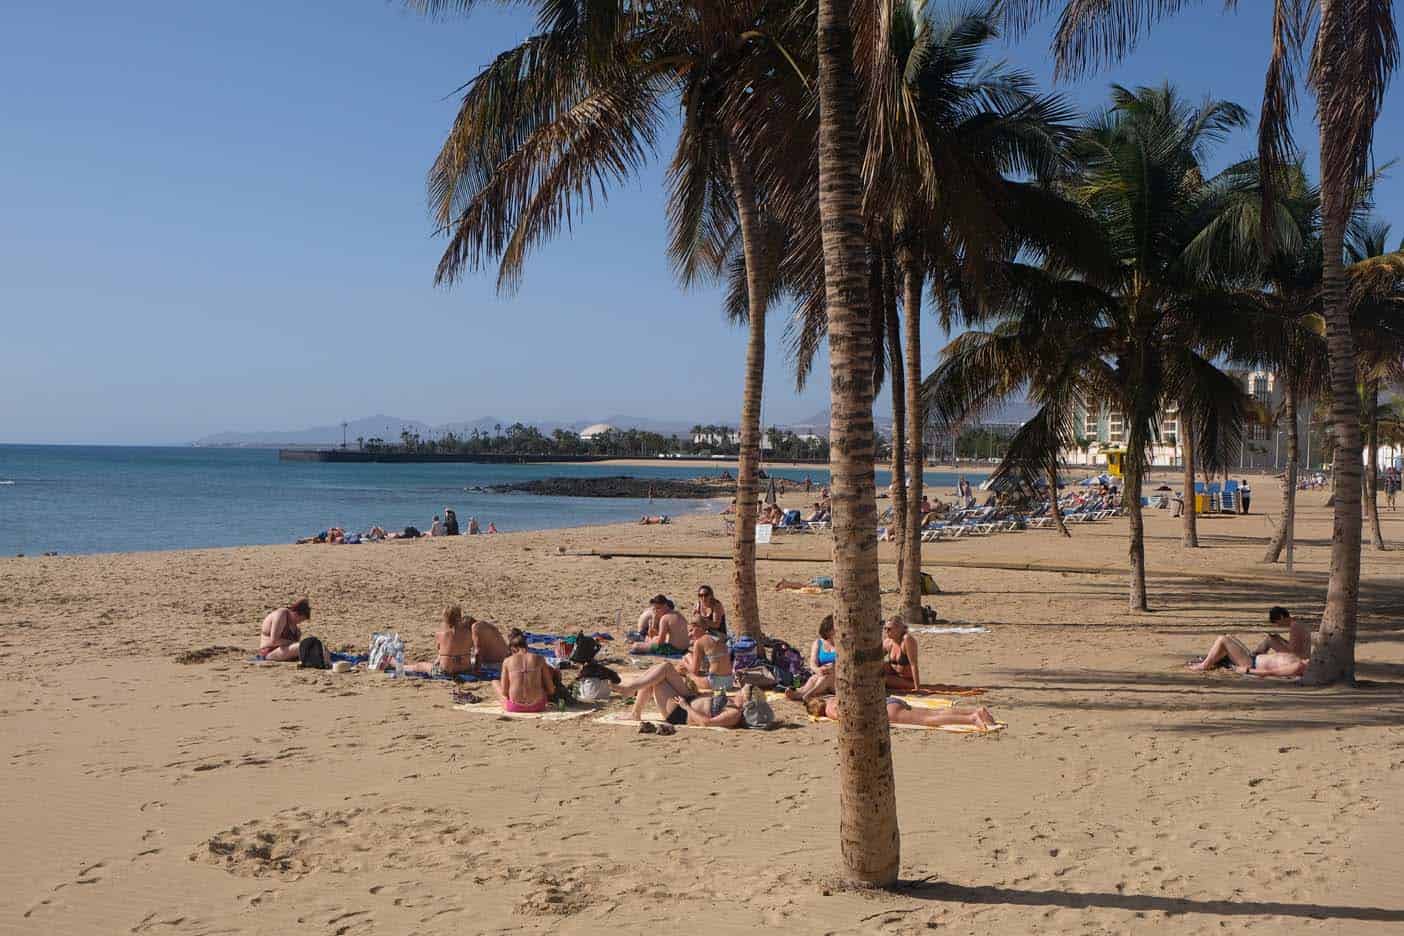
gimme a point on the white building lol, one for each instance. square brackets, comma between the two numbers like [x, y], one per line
[589, 433]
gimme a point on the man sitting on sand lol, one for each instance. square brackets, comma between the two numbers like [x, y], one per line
[526, 683]
[455, 643]
[661, 628]
[901, 712]
[280, 632]
[1274, 656]
[489, 646]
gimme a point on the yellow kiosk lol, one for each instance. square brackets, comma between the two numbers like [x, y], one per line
[1116, 459]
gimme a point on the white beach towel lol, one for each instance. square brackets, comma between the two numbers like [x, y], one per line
[496, 710]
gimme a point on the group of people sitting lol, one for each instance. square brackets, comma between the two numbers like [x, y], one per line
[447, 525]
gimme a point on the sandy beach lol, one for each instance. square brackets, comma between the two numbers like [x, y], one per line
[145, 795]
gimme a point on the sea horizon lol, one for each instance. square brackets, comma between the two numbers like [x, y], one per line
[82, 499]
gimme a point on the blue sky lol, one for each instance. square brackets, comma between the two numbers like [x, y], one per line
[214, 219]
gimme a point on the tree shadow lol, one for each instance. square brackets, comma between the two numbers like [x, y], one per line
[1009, 896]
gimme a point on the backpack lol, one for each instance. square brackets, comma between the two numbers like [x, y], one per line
[585, 648]
[311, 654]
[743, 653]
[788, 664]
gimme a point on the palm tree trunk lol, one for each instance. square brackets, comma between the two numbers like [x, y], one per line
[1053, 507]
[869, 840]
[1372, 468]
[896, 376]
[1190, 535]
[1289, 479]
[916, 428]
[1333, 652]
[745, 605]
[1131, 499]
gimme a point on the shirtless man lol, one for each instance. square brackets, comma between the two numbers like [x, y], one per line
[661, 626]
[525, 685]
[1272, 657]
[280, 632]
[489, 646]
[455, 645]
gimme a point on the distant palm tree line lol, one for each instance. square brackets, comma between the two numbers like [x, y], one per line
[854, 159]
[522, 439]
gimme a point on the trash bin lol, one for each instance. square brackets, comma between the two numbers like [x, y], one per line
[1201, 503]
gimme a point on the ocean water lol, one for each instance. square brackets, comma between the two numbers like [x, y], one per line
[86, 499]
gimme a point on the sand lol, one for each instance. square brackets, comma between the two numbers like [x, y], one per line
[145, 795]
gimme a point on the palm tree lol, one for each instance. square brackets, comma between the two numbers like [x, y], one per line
[544, 130]
[1352, 60]
[868, 835]
[1133, 327]
[942, 133]
[1376, 276]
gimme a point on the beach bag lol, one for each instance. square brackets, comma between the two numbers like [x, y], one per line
[593, 670]
[591, 689]
[757, 713]
[311, 654]
[761, 676]
[928, 585]
[788, 664]
[743, 653]
[585, 648]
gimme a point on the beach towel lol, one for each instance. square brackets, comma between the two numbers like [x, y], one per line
[496, 710]
[623, 720]
[484, 674]
[952, 629]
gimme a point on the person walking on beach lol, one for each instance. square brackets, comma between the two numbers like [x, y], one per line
[281, 631]
[1245, 495]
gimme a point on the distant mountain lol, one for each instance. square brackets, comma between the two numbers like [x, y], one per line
[389, 428]
[369, 427]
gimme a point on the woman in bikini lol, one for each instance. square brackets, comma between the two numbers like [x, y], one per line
[899, 712]
[822, 658]
[280, 633]
[526, 682]
[710, 610]
[900, 649]
[455, 643]
[708, 661]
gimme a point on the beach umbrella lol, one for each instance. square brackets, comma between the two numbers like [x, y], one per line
[770, 492]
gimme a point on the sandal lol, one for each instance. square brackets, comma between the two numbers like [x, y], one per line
[667, 729]
[647, 727]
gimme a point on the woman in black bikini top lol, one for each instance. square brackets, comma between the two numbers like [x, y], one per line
[900, 648]
[710, 609]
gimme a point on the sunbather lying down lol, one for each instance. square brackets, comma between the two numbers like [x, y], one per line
[900, 712]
